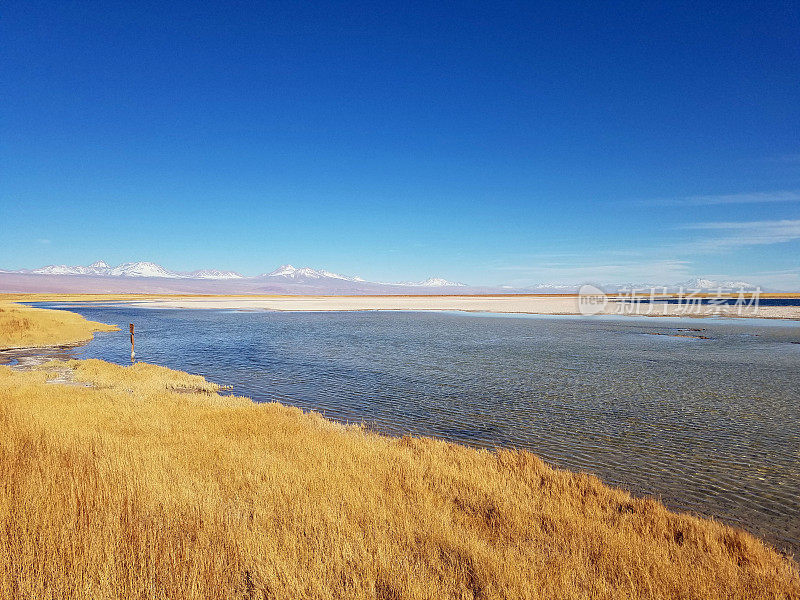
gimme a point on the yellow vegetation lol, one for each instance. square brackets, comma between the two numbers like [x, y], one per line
[150, 484]
[22, 326]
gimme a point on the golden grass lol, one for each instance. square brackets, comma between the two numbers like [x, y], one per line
[22, 326]
[151, 485]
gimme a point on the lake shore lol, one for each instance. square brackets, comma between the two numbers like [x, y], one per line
[528, 304]
[532, 304]
[141, 481]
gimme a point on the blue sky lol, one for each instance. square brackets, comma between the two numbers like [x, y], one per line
[505, 143]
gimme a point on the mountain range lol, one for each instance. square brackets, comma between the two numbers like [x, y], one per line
[131, 269]
[150, 269]
[149, 277]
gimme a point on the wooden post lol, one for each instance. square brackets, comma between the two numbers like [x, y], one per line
[133, 354]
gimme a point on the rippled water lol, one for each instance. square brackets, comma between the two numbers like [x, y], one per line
[708, 425]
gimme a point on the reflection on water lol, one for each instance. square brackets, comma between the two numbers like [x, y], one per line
[709, 425]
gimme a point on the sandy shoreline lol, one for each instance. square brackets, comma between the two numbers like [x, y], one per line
[544, 305]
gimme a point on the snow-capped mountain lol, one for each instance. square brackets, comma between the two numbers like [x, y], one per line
[285, 274]
[60, 270]
[290, 279]
[141, 269]
[710, 284]
[293, 273]
[551, 286]
[290, 273]
[695, 284]
[214, 274]
[433, 282]
[131, 269]
[96, 268]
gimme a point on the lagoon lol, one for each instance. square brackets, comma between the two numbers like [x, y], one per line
[702, 413]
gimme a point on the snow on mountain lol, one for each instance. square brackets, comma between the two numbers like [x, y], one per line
[698, 283]
[710, 284]
[141, 269]
[330, 275]
[214, 274]
[96, 268]
[59, 270]
[284, 273]
[304, 273]
[551, 286]
[433, 282]
[288, 274]
[694, 284]
[133, 269]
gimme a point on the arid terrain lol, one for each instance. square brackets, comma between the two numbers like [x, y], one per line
[527, 304]
[547, 304]
[142, 482]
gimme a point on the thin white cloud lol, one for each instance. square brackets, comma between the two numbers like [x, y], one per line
[791, 159]
[729, 235]
[666, 264]
[721, 199]
[617, 272]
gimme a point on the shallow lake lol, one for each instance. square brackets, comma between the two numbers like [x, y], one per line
[702, 413]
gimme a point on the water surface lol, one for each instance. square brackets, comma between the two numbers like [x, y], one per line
[708, 425]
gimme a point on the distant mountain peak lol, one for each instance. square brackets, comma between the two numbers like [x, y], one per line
[711, 284]
[283, 270]
[553, 286]
[56, 270]
[132, 269]
[141, 269]
[305, 278]
[215, 274]
[305, 273]
[433, 282]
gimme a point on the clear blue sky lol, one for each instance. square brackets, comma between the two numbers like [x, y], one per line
[496, 143]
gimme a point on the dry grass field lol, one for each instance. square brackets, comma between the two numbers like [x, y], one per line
[22, 326]
[142, 482]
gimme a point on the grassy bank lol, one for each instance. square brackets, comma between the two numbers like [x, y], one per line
[22, 326]
[149, 484]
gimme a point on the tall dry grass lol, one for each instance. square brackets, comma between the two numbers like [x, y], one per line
[151, 485]
[23, 326]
